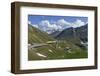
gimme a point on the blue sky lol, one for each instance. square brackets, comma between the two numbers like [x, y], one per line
[35, 19]
[50, 24]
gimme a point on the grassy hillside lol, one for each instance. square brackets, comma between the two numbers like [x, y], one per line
[61, 49]
[36, 36]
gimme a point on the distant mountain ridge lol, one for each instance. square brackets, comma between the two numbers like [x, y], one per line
[78, 33]
[82, 32]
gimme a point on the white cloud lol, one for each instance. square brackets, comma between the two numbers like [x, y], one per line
[63, 22]
[29, 22]
[78, 23]
[35, 25]
[45, 23]
[49, 27]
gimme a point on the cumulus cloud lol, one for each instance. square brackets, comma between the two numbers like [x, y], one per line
[78, 23]
[65, 24]
[48, 27]
[61, 24]
[29, 22]
[35, 25]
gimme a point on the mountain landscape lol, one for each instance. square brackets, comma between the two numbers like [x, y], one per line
[69, 43]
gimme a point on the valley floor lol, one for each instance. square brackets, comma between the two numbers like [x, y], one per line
[56, 50]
